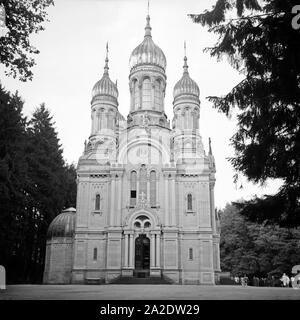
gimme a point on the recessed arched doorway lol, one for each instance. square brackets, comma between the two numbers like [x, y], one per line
[142, 254]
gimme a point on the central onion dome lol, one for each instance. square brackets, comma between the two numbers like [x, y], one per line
[148, 52]
[105, 87]
[63, 225]
[186, 85]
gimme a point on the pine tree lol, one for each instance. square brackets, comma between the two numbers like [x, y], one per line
[262, 44]
[46, 188]
[35, 185]
[13, 176]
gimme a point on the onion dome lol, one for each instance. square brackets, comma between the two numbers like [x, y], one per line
[63, 225]
[186, 85]
[148, 52]
[105, 87]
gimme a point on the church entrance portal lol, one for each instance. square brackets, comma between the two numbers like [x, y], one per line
[142, 255]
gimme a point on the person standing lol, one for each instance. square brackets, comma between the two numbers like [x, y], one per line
[285, 280]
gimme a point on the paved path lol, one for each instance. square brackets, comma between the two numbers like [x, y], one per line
[146, 292]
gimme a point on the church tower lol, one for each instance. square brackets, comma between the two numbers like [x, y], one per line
[147, 82]
[104, 117]
[188, 146]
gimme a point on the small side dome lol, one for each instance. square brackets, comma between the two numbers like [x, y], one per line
[105, 87]
[63, 225]
[186, 85]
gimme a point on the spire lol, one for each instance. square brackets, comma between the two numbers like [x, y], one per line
[185, 66]
[106, 61]
[148, 28]
[209, 142]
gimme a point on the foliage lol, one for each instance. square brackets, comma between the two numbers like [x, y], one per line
[35, 185]
[261, 44]
[23, 18]
[256, 249]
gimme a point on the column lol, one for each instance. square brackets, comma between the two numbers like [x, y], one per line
[126, 251]
[152, 256]
[158, 250]
[166, 201]
[131, 251]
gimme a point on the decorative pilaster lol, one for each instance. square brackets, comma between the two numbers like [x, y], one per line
[119, 201]
[126, 251]
[173, 212]
[112, 203]
[158, 250]
[167, 221]
[152, 247]
[131, 264]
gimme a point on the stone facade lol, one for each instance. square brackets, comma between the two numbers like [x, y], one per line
[145, 197]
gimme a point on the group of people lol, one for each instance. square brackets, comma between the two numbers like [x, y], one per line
[284, 281]
[294, 281]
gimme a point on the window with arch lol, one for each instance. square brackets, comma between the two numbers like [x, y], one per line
[133, 187]
[135, 94]
[97, 202]
[153, 188]
[189, 202]
[146, 94]
[95, 254]
[191, 257]
[143, 181]
[157, 95]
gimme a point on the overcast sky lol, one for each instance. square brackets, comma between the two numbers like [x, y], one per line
[71, 60]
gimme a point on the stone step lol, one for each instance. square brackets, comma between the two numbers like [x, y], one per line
[135, 280]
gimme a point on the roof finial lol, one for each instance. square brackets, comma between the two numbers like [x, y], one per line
[148, 28]
[106, 60]
[185, 66]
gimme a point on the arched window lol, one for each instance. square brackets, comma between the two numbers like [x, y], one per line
[95, 254]
[146, 94]
[158, 95]
[97, 202]
[189, 202]
[136, 95]
[191, 254]
[143, 182]
[133, 187]
[153, 189]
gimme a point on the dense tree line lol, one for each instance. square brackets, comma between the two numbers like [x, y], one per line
[35, 185]
[259, 40]
[256, 249]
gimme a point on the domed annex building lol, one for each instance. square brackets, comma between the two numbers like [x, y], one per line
[145, 187]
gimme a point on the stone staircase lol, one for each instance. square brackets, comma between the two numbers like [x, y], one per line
[136, 280]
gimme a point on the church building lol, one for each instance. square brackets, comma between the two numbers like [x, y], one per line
[145, 186]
